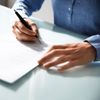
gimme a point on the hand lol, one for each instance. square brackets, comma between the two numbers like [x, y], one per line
[24, 34]
[68, 56]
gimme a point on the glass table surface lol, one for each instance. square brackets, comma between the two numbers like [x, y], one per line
[80, 84]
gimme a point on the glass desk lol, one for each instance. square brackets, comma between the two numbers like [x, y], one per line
[80, 84]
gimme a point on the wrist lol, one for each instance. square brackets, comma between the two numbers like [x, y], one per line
[91, 49]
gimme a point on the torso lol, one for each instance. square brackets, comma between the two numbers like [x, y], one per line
[82, 16]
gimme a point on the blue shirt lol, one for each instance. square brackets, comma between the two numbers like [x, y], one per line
[81, 16]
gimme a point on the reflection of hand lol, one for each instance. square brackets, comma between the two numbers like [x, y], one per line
[24, 34]
[68, 56]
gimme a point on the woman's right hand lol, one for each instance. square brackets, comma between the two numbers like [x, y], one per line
[24, 34]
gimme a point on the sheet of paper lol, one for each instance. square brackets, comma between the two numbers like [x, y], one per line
[18, 58]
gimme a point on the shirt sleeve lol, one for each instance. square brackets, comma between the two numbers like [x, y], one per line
[26, 7]
[95, 42]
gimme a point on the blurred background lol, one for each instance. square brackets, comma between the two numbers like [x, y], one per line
[45, 13]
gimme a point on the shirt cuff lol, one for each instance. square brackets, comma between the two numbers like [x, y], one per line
[95, 42]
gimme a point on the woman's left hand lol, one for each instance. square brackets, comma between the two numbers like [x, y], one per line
[68, 56]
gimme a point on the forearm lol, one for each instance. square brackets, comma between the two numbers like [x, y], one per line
[26, 7]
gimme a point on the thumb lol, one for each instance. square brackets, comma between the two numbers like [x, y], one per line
[34, 29]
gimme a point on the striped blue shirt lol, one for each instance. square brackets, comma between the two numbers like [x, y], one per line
[81, 16]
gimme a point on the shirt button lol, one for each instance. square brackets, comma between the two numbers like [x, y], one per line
[69, 9]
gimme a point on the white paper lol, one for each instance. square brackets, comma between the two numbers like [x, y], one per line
[17, 58]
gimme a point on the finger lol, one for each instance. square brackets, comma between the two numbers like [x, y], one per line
[67, 65]
[23, 29]
[16, 30]
[35, 29]
[33, 26]
[21, 36]
[50, 55]
[55, 53]
[56, 61]
[59, 47]
[65, 46]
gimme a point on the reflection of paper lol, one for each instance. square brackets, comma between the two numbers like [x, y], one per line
[18, 58]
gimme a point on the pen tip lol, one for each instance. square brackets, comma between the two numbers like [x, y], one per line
[14, 10]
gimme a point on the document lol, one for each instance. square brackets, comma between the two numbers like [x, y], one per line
[18, 58]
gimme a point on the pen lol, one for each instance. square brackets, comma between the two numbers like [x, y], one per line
[22, 20]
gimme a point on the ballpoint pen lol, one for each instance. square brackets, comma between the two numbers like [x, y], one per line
[22, 20]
